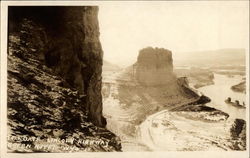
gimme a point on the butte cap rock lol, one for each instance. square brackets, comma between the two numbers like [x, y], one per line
[155, 67]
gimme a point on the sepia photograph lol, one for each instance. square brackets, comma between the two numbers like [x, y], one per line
[125, 77]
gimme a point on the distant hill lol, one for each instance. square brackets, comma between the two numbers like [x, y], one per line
[211, 58]
[107, 66]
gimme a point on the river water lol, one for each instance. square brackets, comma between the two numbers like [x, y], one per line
[221, 90]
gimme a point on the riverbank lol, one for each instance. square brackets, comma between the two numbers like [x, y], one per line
[221, 90]
[241, 87]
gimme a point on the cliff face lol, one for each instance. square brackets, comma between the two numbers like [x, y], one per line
[54, 76]
[154, 67]
[67, 39]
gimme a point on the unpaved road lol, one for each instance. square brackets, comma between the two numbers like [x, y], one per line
[167, 131]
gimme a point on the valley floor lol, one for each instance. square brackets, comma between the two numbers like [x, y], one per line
[144, 118]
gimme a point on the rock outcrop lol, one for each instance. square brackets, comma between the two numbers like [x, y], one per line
[154, 67]
[67, 40]
[54, 80]
[238, 134]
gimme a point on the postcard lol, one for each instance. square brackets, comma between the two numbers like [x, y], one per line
[125, 79]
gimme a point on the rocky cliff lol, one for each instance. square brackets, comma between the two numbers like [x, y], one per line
[54, 76]
[67, 40]
[154, 67]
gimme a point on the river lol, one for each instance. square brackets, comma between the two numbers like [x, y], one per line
[221, 90]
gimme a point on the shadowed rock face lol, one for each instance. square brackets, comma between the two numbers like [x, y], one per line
[238, 133]
[67, 40]
[54, 80]
[155, 67]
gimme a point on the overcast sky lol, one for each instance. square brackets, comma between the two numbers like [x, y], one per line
[178, 26]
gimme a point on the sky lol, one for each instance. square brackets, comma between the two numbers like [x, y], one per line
[179, 26]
